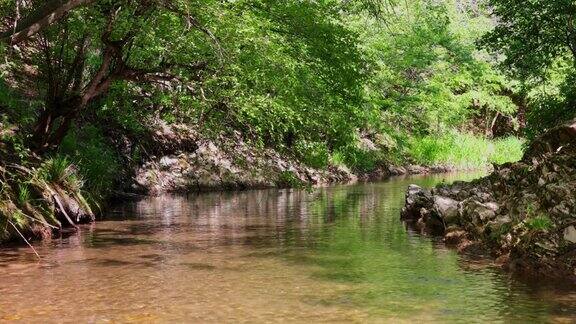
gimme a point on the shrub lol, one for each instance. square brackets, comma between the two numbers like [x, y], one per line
[59, 170]
[289, 180]
[313, 154]
[509, 149]
[359, 159]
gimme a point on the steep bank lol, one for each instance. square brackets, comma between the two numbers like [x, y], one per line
[524, 213]
[225, 162]
[199, 163]
[39, 198]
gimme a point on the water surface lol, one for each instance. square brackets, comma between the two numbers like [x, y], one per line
[337, 254]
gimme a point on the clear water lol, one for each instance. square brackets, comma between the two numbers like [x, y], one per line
[338, 254]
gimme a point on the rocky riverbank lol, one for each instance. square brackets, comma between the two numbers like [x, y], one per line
[195, 163]
[524, 213]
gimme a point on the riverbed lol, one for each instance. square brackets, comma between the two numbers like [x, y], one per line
[334, 254]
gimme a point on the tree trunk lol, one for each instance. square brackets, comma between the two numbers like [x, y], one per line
[56, 138]
[43, 127]
[48, 133]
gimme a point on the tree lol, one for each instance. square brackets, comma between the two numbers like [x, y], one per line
[532, 35]
[81, 55]
[536, 42]
[429, 76]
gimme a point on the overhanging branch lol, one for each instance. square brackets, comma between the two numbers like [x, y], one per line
[50, 12]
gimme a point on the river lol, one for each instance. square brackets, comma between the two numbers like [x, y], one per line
[336, 254]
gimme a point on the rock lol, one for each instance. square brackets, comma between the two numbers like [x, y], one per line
[70, 209]
[417, 198]
[570, 234]
[166, 162]
[367, 144]
[552, 141]
[523, 211]
[417, 169]
[496, 225]
[455, 237]
[441, 169]
[447, 208]
[397, 170]
[477, 212]
[184, 160]
[503, 259]
[492, 206]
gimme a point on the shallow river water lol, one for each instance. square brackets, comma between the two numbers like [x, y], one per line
[337, 254]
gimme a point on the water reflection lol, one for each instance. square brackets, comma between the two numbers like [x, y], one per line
[333, 254]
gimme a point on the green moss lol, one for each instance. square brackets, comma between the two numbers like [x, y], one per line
[539, 223]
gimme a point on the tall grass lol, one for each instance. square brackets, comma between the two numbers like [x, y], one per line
[463, 150]
[96, 159]
[60, 170]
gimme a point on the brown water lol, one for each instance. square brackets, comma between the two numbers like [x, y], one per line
[336, 254]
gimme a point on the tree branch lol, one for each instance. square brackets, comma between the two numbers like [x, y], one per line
[41, 18]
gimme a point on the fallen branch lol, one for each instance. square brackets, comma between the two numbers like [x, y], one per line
[63, 210]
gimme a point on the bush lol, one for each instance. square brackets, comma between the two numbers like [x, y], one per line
[359, 159]
[60, 170]
[509, 149]
[287, 179]
[313, 154]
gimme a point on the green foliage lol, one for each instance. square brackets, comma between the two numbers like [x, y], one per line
[307, 78]
[294, 73]
[510, 149]
[464, 150]
[59, 170]
[289, 180]
[536, 43]
[428, 76]
[552, 102]
[359, 159]
[539, 223]
[315, 155]
[23, 193]
[337, 159]
[96, 159]
[532, 35]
